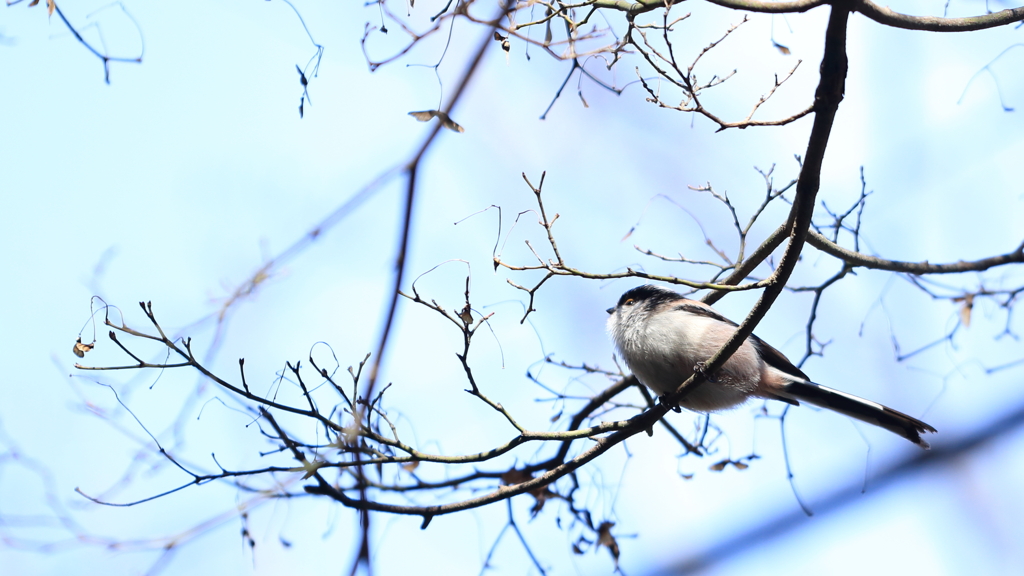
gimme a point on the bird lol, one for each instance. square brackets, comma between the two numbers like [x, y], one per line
[664, 338]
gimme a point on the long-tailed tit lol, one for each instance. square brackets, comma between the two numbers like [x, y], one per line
[664, 338]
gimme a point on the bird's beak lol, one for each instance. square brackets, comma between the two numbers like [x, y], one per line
[610, 310]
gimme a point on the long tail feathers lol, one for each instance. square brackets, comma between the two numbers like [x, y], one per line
[859, 408]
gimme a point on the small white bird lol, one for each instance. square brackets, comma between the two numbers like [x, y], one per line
[664, 338]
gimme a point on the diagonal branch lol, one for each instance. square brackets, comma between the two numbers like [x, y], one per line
[826, 103]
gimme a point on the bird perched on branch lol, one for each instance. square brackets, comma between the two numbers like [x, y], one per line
[664, 338]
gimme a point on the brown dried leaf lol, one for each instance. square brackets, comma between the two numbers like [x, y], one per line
[310, 468]
[80, 349]
[423, 115]
[513, 477]
[738, 464]
[49, 7]
[449, 123]
[785, 51]
[605, 538]
[965, 310]
[33, 3]
[410, 466]
[542, 494]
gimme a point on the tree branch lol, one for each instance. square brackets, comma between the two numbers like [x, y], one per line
[826, 103]
[770, 7]
[858, 259]
[883, 15]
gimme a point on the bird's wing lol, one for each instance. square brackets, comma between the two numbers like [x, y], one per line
[768, 353]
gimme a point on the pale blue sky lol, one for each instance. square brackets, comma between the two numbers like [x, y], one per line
[186, 171]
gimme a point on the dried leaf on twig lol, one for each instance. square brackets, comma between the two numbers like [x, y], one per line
[80, 349]
[426, 115]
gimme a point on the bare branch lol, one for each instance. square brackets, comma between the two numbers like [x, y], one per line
[860, 260]
[884, 15]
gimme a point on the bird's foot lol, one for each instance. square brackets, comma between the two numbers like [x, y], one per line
[670, 404]
[702, 369]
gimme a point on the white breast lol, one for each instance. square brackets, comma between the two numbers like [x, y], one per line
[663, 352]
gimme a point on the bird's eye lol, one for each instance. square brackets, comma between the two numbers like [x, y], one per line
[629, 302]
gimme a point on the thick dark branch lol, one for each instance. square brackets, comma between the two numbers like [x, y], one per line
[743, 269]
[858, 259]
[826, 103]
[883, 15]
